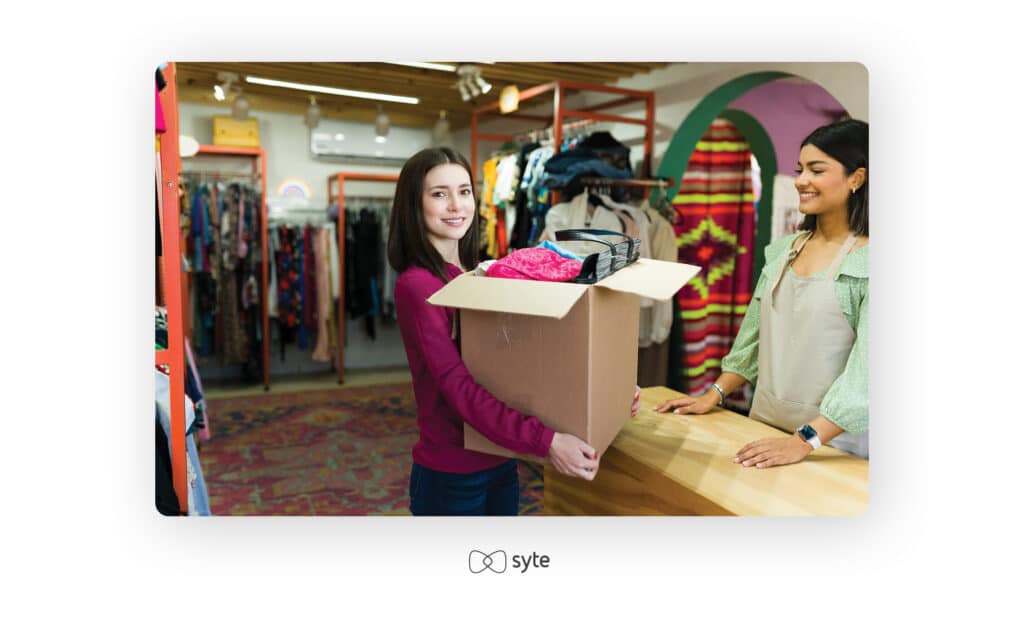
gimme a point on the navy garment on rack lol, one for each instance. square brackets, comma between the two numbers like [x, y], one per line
[598, 155]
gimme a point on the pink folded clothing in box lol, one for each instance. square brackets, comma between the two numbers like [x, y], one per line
[535, 263]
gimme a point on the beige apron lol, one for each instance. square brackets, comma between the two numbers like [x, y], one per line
[805, 341]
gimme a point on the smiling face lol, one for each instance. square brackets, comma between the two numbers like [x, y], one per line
[448, 206]
[823, 185]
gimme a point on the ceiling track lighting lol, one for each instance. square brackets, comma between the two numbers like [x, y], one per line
[471, 83]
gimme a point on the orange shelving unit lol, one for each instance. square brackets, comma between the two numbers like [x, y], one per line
[170, 281]
[259, 171]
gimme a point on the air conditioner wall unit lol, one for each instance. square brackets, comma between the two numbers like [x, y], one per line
[354, 142]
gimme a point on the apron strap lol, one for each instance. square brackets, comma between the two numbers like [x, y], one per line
[843, 252]
[793, 252]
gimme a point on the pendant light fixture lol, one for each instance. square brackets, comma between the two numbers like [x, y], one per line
[312, 113]
[442, 128]
[382, 125]
[240, 107]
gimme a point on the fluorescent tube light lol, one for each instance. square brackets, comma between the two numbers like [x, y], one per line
[368, 95]
[437, 66]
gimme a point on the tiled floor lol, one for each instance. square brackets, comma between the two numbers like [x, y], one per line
[355, 377]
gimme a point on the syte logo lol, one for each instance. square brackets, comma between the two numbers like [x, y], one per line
[497, 561]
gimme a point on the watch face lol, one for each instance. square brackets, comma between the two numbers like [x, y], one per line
[807, 432]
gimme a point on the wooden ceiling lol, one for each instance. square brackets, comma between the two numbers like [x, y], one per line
[435, 88]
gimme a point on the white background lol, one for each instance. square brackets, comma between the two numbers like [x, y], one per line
[81, 538]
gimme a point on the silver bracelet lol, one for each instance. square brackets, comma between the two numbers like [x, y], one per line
[721, 393]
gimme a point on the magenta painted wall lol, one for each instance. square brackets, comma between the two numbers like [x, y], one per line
[789, 112]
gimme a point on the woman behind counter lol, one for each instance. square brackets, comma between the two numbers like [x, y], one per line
[804, 339]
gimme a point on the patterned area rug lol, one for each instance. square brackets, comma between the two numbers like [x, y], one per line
[344, 451]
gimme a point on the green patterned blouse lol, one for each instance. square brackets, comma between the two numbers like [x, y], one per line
[846, 402]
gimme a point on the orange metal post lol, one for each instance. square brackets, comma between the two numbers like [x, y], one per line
[266, 270]
[474, 137]
[341, 279]
[170, 165]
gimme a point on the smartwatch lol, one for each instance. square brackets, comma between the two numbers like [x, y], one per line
[809, 436]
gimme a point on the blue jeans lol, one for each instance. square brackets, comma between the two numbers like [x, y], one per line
[488, 492]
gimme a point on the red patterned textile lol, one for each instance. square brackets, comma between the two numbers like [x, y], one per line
[715, 229]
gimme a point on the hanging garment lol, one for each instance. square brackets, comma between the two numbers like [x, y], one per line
[272, 246]
[289, 300]
[321, 353]
[198, 499]
[786, 215]
[231, 343]
[715, 230]
[367, 268]
[805, 343]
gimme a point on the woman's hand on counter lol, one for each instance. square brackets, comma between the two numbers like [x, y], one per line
[772, 452]
[635, 410]
[572, 456]
[690, 405]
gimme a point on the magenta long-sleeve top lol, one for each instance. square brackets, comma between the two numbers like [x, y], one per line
[446, 394]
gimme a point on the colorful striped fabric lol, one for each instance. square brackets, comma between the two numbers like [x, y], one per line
[714, 227]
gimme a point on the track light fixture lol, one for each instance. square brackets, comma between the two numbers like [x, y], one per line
[470, 82]
[225, 81]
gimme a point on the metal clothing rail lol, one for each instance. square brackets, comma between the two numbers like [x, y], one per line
[171, 287]
[259, 172]
[339, 180]
[661, 183]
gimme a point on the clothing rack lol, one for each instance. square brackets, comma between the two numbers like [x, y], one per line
[559, 90]
[336, 191]
[169, 164]
[259, 172]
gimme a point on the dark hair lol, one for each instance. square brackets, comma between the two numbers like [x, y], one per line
[407, 235]
[847, 142]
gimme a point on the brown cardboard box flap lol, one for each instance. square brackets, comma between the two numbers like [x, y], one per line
[524, 297]
[654, 279]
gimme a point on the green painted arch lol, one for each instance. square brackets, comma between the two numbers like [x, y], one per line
[764, 151]
[680, 148]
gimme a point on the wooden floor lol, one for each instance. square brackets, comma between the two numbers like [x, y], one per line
[355, 377]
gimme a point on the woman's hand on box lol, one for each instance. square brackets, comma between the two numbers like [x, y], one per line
[636, 403]
[573, 457]
[690, 405]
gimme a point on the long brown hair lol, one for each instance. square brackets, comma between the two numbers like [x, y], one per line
[407, 235]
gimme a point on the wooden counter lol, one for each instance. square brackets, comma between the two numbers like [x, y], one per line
[682, 465]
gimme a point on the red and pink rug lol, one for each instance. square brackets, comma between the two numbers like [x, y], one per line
[345, 451]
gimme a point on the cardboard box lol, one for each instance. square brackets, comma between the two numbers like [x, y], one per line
[230, 131]
[563, 352]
